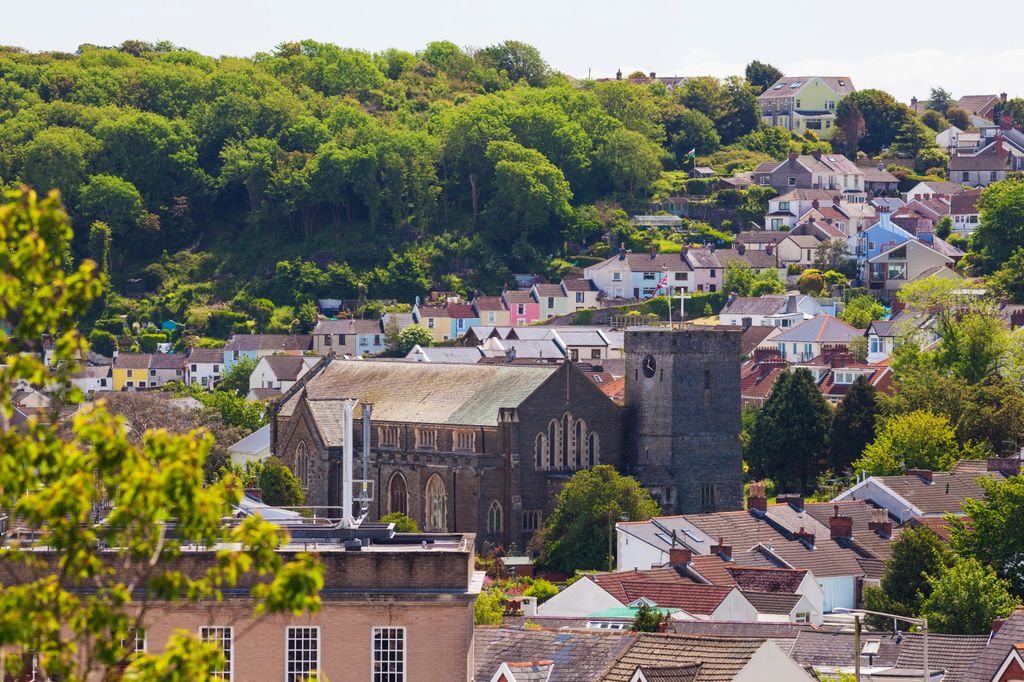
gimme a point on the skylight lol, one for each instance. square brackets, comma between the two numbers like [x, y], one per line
[780, 86]
[796, 84]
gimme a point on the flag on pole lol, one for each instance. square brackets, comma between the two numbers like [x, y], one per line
[663, 284]
[692, 154]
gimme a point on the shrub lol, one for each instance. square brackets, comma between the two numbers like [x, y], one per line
[403, 524]
[221, 322]
[102, 342]
[542, 590]
[811, 283]
[148, 342]
[112, 325]
[278, 484]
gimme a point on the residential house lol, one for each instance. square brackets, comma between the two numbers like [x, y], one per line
[890, 204]
[832, 172]
[491, 310]
[758, 240]
[836, 370]
[582, 293]
[435, 319]
[804, 103]
[948, 138]
[878, 181]
[921, 215]
[350, 337]
[883, 335]
[799, 249]
[772, 310]
[921, 493]
[166, 367]
[253, 448]
[396, 321]
[203, 366]
[258, 346]
[882, 236]
[927, 189]
[894, 268]
[843, 544]
[92, 378]
[812, 337]
[963, 210]
[131, 371]
[980, 108]
[785, 210]
[702, 172]
[463, 316]
[675, 206]
[552, 298]
[999, 152]
[280, 372]
[707, 269]
[523, 308]
[458, 355]
[637, 275]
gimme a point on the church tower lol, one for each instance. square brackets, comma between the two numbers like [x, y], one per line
[683, 398]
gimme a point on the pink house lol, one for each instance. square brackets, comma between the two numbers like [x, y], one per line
[708, 273]
[523, 308]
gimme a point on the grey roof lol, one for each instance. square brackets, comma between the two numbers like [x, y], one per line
[721, 659]
[288, 367]
[819, 329]
[531, 671]
[463, 395]
[952, 653]
[348, 327]
[577, 656]
[703, 258]
[834, 649]
[210, 356]
[984, 667]
[166, 361]
[269, 342]
[133, 361]
[681, 673]
[752, 305]
[579, 284]
[253, 444]
[450, 355]
[777, 603]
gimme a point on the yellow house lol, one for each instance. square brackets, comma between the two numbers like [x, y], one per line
[805, 103]
[130, 371]
[435, 319]
[491, 310]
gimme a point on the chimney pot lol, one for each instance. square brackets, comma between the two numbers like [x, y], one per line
[653, 75]
[840, 526]
[721, 549]
[618, 75]
[925, 474]
[793, 156]
[756, 499]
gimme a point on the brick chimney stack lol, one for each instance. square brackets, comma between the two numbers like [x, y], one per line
[805, 536]
[1006, 122]
[794, 500]
[840, 526]
[679, 556]
[880, 523]
[756, 499]
[721, 549]
[924, 474]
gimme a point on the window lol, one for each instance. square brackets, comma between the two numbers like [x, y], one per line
[814, 124]
[327, 339]
[494, 518]
[465, 441]
[398, 494]
[992, 176]
[437, 505]
[216, 368]
[803, 617]
[302, 464]
[376, 339]
[616, 276]
[579, 297]
[302, 654]
[490, 316]
[461, 323]
[808, 349]
[593, 449]
[540, 451]
[595, 353]
[792, 181]
[341, 339]
[551, 301]
[798, 104]
[520, 308]
[830, 104]
[222, 637]
[574, 354]
[714, 288]
[531, 520]
[430, 323]
[194, 368]
[426, 439]
[707, 495]
[712, 273]
[387, 436]
[874, 345]
[681, 276]
[871, 246]
[650, 276]
[784, 205]
[897, 271]
[966, 176]
[388, 655]
[135, 643]
[152, 372]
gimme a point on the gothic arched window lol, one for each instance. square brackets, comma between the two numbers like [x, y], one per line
[540, 451]
[594, 449]
[579, 459]
[552, 443]
[566, 453]
[302, 464]
[494, 518]
[398, 494]
[436, 505]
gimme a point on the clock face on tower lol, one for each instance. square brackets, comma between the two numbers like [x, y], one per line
[649, 365]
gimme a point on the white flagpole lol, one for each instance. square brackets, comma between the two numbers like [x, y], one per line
[668, 286]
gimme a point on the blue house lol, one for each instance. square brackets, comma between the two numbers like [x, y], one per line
[880, 237]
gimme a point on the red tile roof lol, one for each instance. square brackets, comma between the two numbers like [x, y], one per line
[692, 598]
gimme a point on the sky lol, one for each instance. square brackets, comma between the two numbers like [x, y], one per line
[886, 44]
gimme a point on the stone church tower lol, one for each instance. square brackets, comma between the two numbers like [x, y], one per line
[683, 398]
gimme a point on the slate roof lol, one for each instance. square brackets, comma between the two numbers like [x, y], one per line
[766, 579]
[984, 667]
[579, 284]
[752, 305]
[945, 494]
[530, 671]
[463, 395]
[135, 360]
[166, 361]
[944, 187]
[777, 603]
[835, 649]
[546, 290]
[841, 85]
[720, 659]
[287, 367]
[760, 237]
[349, 326]
[270, 342]
[757, 259]
[800, 194]
[209, 356]
[703, 258]
[754, 336]
[819, 329]
[952, 653]
[576, 656]
[519, 297]
[879, 175]
[777, 632]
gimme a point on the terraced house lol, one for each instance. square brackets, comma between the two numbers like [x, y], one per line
[805, 103]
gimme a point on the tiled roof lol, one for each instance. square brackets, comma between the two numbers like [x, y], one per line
[530, 671]
[692, 598]
[577, 656]
[489, 303]
[755, 258]
[766, 579]
[461, 311]
[777, 632]
[984, 667]
[974, 104]
[166, 361]
[965, 203]
[800, 194]
[287, 367]
[841, 85]
[549, 290]
[349, 326]
[431, 311]
[135, 360]
[835, 649]
[819, 329]
[209, 356]
[953, 653]
[875, 174]
[579, 284]
[945, 494]
[519, 297]
[944, 187]
[760, 237]
[703, 258]
[720, 659]
[270, 342]
[773, 603]
[681, 673]
[752, 305]
[754, 336]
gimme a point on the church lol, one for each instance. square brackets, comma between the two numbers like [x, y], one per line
[485, 448]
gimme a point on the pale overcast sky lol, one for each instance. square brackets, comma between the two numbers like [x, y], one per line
[894, 45]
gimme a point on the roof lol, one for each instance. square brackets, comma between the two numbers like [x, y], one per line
[952, 653]
[754, 305]
[791, 85]
[463, 395]
[680, 673]
[945, 494]
[348, 326]
[695, 599]
[943, 187]
[721, 659]
[774, 603]
[755, 258]
[775, 580]
[135, 360]
[446, 354]
[166, 361]
[549, 290]
[801, 194]
[577, 656]
[835, 649]
[702, 258]
[819, 329]
[288, 367]
[964, 203]
[754, 336]
[461, 311]
[264, 393]
[269, 342]
[760, 237]
[253, 444]
[878, 175]
[984, 667]
[759, 630]
[489, 303]
[804, 241]
[209, 356]
[530, 671]
[520, 296]
[579, 284]
[974, 104]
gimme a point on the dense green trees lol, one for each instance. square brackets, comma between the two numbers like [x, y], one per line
[1001, 231]
[881, 114]
[853, 425]
[917, 556]
[967, 598]
[761, 75]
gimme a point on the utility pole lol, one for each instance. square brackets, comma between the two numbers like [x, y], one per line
[856, 649]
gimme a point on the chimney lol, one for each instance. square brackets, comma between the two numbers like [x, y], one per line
[1002, 97]
[618, 75]
[756, 501]
[254, 493]
[721, 549]
[840, 526]
[924, 474]
[622, 252]
[815, 204]
[881, 166]
[880, 523]
[837, 200]
[711, 246]
[997, 625]
[1006, 122]
[794, 500]
[741, 249]
[816, 154]
[913, 101]
[1004, 465]
[679, 557]
[805, 536]
[769, 248]
[793, 156]
[653, 75]
[654, 250]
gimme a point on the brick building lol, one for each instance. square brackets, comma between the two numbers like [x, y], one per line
[381, 608]
[461, 448]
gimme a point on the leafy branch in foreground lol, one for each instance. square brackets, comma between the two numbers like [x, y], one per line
[110, 518]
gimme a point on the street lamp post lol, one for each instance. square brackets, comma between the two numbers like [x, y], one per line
[857, 613]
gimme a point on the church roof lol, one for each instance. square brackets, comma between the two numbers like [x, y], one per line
[459, 395]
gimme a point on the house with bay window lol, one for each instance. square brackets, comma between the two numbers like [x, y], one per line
[636, 276]
[805, 103]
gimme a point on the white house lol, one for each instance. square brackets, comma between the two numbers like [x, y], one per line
[280, 371]
[948, 138]
[203, 366]
[92, 378]
[253, 448]
[773, 310]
